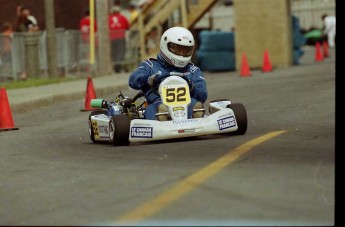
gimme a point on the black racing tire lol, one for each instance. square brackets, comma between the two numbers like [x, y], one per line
[119, 130]
[91, 129]
[241, 118]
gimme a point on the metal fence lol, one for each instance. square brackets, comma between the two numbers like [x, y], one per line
[72, 53]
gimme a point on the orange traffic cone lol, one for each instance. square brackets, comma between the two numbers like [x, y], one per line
[266, 67]
[6, 119]
[318, 53]
[245, 70]
[90, 94]
[325, 49]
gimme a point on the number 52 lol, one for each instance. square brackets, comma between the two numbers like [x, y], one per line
[176, 95]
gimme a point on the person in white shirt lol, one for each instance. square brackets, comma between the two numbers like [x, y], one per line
[31, 22]
[329, 29]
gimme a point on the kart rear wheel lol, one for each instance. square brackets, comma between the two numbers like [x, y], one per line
[241, 118]
[119, 130]
[91, 130]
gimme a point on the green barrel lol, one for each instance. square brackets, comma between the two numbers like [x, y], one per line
[97, 103]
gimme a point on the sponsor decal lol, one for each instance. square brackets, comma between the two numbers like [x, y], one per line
[186, 121]
[193, 69]
[185, 37]
[103, 129]
[225, 123]
[101, 116]
[186, 130]
[178, 108]
[141, 132]
[224, 116]
[141, 125]
[95, 129]
[179, 113]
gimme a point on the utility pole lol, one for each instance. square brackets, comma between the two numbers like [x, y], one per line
[103, 51]
[51, 40]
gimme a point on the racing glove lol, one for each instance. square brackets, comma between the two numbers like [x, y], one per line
[152, 81]
[155, 79]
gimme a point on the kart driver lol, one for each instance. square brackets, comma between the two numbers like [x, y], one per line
[176, 50]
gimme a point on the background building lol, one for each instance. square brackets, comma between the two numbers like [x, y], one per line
[67, 13]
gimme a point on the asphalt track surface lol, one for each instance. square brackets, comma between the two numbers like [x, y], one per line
[281, 172]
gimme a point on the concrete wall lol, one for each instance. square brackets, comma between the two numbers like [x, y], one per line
[263, 25]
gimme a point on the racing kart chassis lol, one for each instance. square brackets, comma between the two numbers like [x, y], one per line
[122, 121]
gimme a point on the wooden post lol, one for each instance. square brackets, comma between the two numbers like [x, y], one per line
[184, 13]
[51, 39]
[142, 36]
[103, 41]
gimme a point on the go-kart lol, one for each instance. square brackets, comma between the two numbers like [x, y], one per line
[122, 121]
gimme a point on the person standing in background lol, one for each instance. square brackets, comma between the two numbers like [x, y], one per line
[7, 29]
[6, 43]
[118, 24]
[329, 28]
[25, 22]
[84, 26]
[6, 50]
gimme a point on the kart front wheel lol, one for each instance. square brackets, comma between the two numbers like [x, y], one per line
[119, 130]
[241, 118]
[91, 128]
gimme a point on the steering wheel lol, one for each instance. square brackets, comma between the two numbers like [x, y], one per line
[182, 75]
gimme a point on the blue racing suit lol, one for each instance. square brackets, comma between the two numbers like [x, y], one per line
[138, 81]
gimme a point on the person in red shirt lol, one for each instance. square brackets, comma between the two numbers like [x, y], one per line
[84, 26]
[118, 24]
[6, 46]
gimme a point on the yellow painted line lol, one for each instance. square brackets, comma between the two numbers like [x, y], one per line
[151, 207]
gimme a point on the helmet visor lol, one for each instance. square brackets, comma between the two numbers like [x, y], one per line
[185, 51]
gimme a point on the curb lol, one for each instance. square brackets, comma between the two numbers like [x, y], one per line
[21, 107]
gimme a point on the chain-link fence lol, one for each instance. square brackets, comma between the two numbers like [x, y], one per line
[72, 53]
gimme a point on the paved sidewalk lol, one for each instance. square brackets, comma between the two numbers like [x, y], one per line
[29, 98]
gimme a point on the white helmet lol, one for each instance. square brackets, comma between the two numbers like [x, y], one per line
[177, 46]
